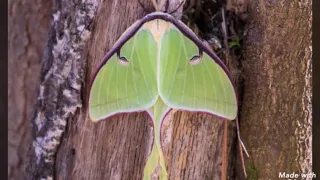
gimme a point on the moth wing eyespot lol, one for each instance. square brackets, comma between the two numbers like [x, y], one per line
[196, 59]
[122, 60]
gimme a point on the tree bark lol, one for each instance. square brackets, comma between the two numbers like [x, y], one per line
[275, 115]
[67, 145]
[276, 112]
[28, 27]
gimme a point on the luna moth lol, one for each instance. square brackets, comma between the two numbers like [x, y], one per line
[159, 64]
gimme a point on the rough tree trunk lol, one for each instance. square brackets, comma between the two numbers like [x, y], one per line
[28, 26]
[275, 114]
[81, 33]
[276, 111]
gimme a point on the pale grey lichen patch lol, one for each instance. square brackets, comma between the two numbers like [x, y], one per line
[81, 28]
[67, 93]
[41, 90]
[85, 34]
[91, 7]
[61, 80]
[44, 146]
[56, 16]
[39, 121]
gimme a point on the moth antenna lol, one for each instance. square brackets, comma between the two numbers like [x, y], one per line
[178, 7]
[167, 6]
[144, 8]
[155, 4]
[161, 4]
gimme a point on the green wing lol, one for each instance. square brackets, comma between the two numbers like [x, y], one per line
[157, 75]
[127, 83]
[128, 86]
[156, 157]
[193, 83]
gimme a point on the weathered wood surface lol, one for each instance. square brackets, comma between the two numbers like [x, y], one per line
[28, 27]
[276, 112]
[116, 148]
